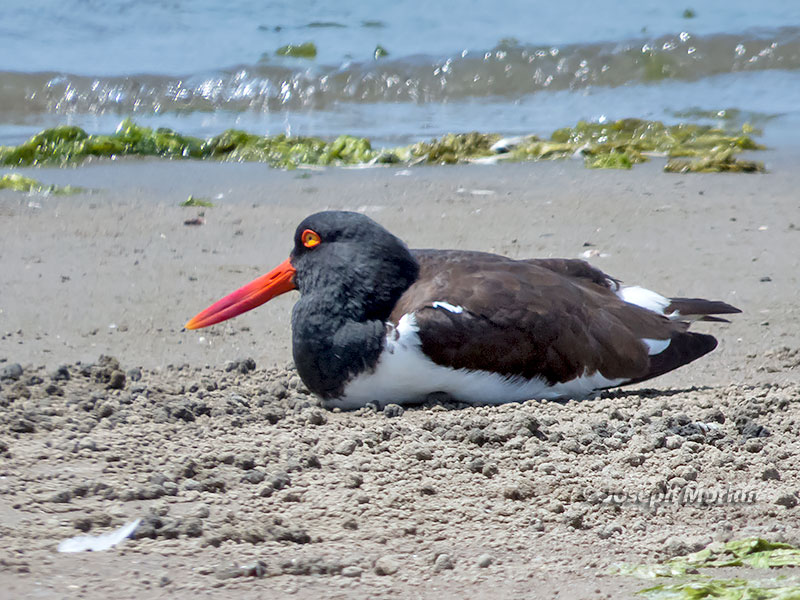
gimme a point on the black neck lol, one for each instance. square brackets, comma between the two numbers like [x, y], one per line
[339, 323]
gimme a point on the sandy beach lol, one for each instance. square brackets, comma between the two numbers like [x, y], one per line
[249, 490]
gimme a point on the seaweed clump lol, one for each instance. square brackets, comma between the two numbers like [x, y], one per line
[617, 145]
[19, 183]
[305, 50]
[451, 148]
[69, 145]
[751, 552]
[623, 143]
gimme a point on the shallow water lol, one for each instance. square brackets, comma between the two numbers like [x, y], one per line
[511, 67]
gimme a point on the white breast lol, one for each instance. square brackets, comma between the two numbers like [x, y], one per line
[405, 375]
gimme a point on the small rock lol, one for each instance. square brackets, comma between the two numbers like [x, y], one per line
[254, 476]
[387, 565]
[352, 571]
[770, 473]
[609, 530]
[116, 380]
[60, 374]
[192, 527]
[242, 365]
[443, 562]
[673, 442]
[519, 491]
[279, 481]
[485, 560]
[392, 411]
[22, 426]
[53, 390]
[347, 447]
[490, 470]
[227, 571]
[11, 371]
[134, 374]
[574, 518]
[427, 488]
[353, 480]
[316, 417]
[787, 500]
[191, 485]
[423, 453]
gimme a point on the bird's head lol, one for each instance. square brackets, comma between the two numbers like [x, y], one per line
[338, 254]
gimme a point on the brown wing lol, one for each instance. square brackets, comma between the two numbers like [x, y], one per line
[556, 319]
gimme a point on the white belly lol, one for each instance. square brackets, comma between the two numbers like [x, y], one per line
[405, 375]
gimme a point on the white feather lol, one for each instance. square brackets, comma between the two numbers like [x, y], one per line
[404, 374]
[447, 306]
[645, 298]
[98, 543]
[655, 346]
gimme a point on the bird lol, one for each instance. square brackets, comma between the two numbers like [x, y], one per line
[379, 323]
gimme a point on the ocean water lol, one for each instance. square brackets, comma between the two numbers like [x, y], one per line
[512, 67]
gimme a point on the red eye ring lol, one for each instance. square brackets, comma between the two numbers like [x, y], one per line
[310, 238]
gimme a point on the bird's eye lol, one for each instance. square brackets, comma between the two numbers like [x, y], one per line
[310, 238]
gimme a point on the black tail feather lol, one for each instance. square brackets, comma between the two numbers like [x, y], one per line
[684, 347]
[697, 307]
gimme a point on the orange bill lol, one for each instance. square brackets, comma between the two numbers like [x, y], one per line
[278, 281]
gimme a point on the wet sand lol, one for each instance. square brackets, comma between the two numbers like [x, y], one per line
[244, 467]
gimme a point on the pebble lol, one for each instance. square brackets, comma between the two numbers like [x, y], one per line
[11, 371]
[485, 560]
[427, 488]
[352, 571]
[519, 491]
[387, 565]
[347, 447]
[787, 500]
[353, 480]
[392, 411]
[60, 374]
[443, 562]
[116, 380]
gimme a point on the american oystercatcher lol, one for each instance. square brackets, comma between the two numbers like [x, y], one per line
[377, 322]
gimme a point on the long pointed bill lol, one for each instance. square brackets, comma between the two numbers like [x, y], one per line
[278, 281]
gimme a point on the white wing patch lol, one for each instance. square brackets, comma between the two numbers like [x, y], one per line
[645, 298]
[405, 375]
[447, 306]
[655, 346]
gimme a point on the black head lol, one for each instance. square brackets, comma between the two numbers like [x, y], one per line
[353, 261]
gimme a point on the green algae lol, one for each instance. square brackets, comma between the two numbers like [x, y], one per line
[192, 201]
[19, 183]
[452, 148]
[69, 145]
[687, 583]
[66, 144]
[615, 145]
[304, 50]
[720, 162]
[723, 589]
